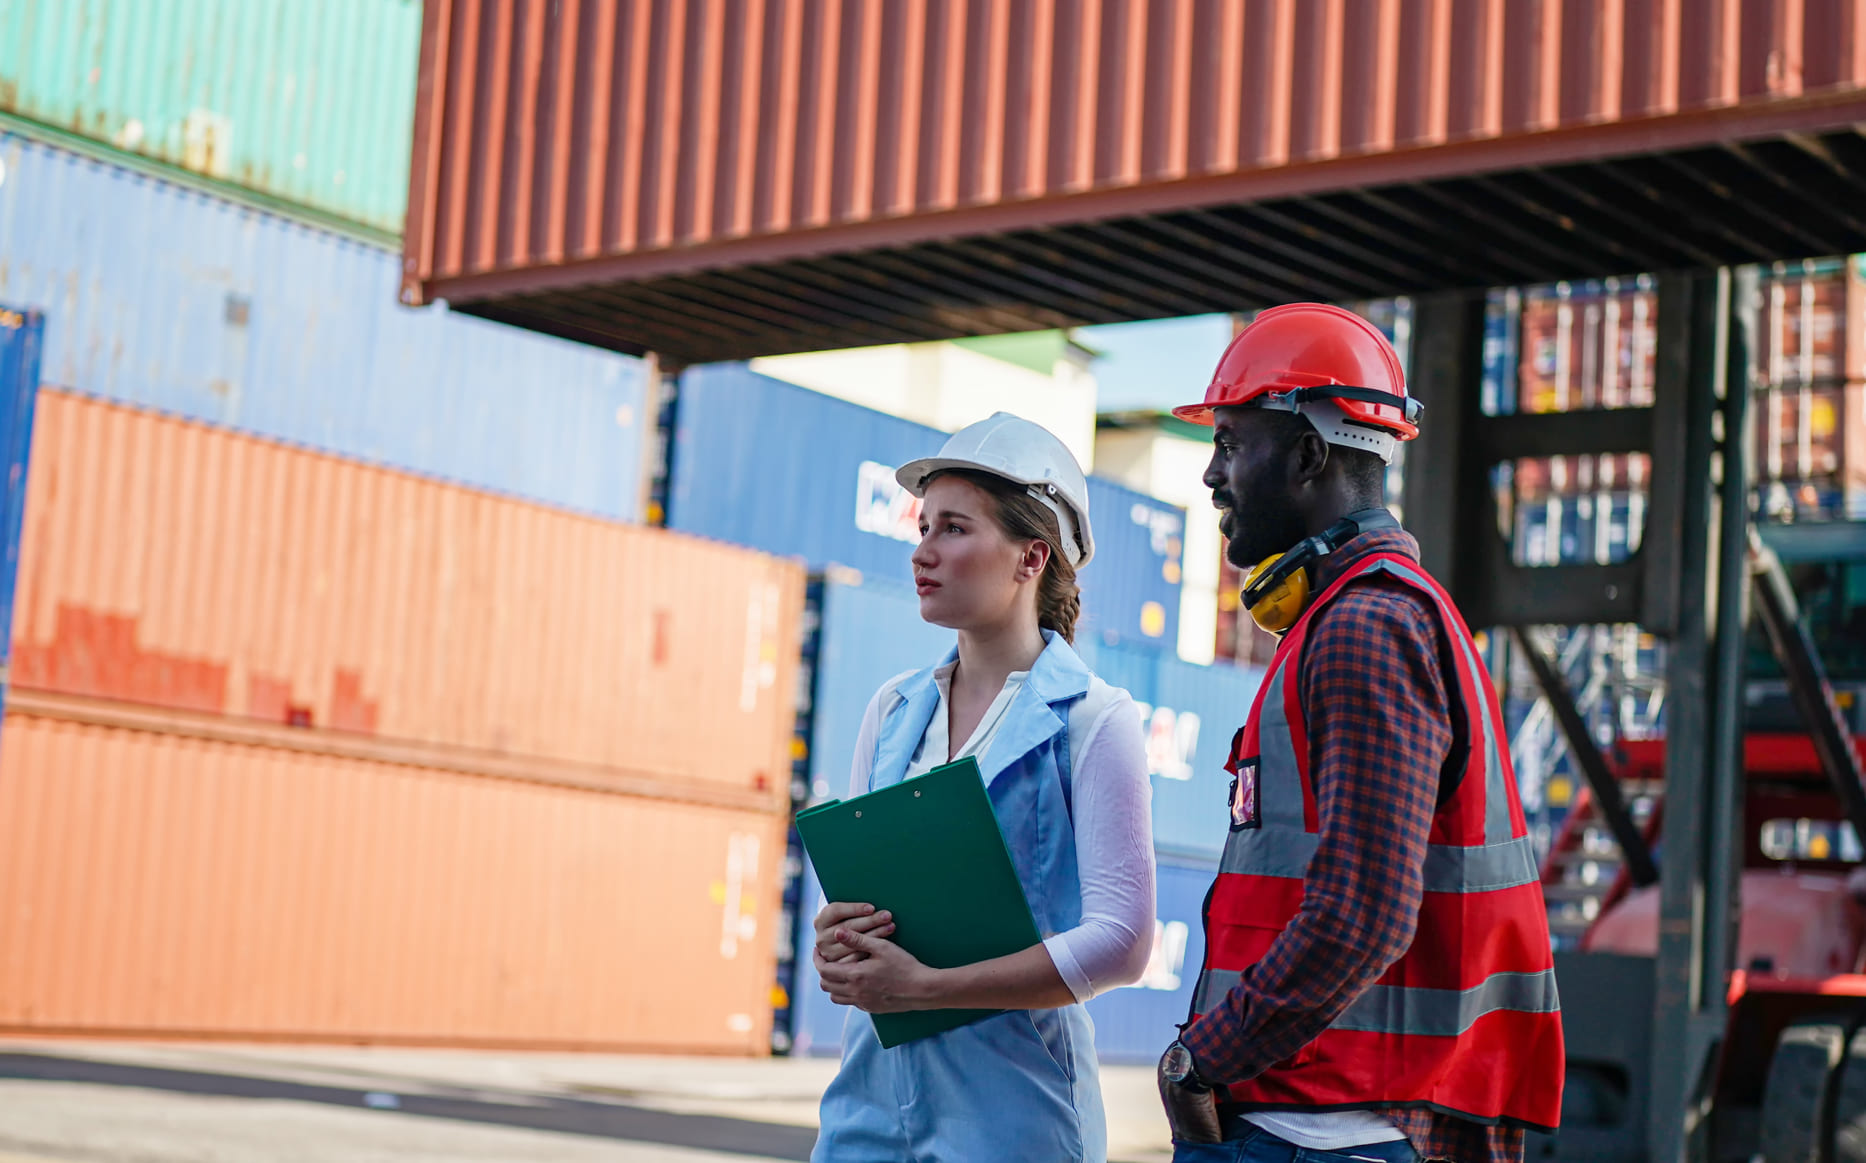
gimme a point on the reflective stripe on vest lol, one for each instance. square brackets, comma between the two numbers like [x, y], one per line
[1437, 1013]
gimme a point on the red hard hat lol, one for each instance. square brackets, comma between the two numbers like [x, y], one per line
[1304, 352]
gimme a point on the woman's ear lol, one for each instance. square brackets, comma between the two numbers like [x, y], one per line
[1036, 557]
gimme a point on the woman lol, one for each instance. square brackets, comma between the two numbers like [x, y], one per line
[1004, 527]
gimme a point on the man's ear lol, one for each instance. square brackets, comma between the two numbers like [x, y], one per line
[1308, 460]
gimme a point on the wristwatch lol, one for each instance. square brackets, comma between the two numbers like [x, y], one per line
[1179, 1068]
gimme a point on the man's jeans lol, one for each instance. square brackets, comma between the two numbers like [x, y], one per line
[1253, 1144]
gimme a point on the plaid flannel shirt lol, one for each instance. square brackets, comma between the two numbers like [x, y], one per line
[1379, 723]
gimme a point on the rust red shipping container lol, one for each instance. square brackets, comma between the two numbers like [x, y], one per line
[549, 135]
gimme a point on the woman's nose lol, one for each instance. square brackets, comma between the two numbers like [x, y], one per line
[923, 556]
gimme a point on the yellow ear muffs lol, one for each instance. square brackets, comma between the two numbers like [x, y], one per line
[1277, 609]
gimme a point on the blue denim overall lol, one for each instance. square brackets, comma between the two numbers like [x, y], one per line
[1022, 1085]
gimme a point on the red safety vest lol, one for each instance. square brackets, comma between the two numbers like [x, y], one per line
[1467, 1021]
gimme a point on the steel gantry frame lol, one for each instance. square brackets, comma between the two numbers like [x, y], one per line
[1658, 1021]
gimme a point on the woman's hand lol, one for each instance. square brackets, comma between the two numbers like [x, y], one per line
[857, 918]
[879, 977]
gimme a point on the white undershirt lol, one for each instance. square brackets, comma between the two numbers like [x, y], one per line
[1328, 1130]
[1113, 820]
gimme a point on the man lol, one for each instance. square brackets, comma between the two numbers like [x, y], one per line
[1378, 978]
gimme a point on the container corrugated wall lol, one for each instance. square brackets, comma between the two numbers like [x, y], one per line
[170, 564]
[697, 124]
[796, 473]
[155, 884]
[306, 101]
[170, 299]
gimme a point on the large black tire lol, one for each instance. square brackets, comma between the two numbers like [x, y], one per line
[1850, 1104]
[1798, 1098]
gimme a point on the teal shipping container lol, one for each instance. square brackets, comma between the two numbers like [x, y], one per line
[305, 103]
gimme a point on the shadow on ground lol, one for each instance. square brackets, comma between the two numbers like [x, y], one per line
[608, 1120]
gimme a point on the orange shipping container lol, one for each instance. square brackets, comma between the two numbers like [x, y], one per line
[154, 883]
[171, 564]
[1801, 331]
[1593, 348]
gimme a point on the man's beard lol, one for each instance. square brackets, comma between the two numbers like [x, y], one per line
[1261, 529]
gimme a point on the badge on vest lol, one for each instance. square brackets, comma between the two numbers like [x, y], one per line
[1244, 795]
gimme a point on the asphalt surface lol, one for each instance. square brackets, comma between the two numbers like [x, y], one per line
[89, 1102]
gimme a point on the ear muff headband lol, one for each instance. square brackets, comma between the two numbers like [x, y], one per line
[1277, 591]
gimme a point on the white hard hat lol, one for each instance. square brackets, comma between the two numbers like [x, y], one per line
[1023, 453]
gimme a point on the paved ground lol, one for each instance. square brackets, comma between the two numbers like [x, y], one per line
[94, 1102]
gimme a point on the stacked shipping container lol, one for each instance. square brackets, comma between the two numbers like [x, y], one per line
[307, 106]
[304, 748]
[1809, 369]
[162, 297]
[165, 881]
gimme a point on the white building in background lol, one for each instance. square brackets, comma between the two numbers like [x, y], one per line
[1043, 376]
[1166, 458]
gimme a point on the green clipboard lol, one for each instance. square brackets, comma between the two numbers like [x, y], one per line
[929, 850]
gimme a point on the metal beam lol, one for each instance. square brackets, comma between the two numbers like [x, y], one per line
[1600, 780]
[1722, 860]
[1688, 1018]
[1447, 377]
[1813, 695]
[1601, 430]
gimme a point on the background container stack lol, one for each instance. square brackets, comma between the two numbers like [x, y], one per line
[342, 706]
[1809, 372]
[192, 304]
[307, 107]
[303, 748]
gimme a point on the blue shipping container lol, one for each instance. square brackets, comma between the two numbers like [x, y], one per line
[1132, 1024]
[1191, 712]
[169, 299]
[793, 472]
[21, 333]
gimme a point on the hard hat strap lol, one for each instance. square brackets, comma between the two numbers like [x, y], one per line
[1051, 498]
[1291, 400]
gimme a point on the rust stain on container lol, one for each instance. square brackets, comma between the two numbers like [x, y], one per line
[687, 130]
[171, 564]
[159, 885]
